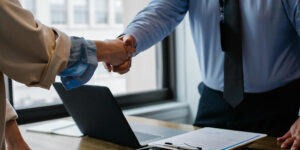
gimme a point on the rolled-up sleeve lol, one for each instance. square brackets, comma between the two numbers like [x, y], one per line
[30, 52]
[81, 65]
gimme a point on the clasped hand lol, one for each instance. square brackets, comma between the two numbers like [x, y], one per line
[116, 54]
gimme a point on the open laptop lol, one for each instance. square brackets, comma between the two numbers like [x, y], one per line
[97, 114]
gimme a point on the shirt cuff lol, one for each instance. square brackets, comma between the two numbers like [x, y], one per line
[10, 112]
[299, 112]
[81, 65]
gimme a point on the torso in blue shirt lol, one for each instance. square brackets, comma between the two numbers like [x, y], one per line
[271, 43]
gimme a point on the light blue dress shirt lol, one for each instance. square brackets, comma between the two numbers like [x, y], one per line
[271, 43]
[81, 65]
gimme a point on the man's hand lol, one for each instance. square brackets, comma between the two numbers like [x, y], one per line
[113, 52]
[13, 137]
[124, 68]
[292, 137]
[130, 44]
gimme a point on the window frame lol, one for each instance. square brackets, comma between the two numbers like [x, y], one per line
[91, 17]
[166, 94]
[67, 16]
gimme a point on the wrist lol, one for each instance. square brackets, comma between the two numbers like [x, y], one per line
[17, 145]
[100, 50]
[12, 131]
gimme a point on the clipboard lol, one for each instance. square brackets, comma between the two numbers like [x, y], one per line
[210, 139]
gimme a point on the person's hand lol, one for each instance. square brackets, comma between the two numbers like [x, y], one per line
[130, 44]
[122, 69]
[292, 137]
[113, 52]
[13, 137]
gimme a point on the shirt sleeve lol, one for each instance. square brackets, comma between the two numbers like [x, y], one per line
[292, 8]
[156, 21]
[81, 65]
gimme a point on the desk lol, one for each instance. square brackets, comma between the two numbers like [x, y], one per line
[40, 141]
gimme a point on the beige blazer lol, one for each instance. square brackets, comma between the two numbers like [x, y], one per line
[30, 53]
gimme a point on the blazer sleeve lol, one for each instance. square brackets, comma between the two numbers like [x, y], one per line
[30, 52]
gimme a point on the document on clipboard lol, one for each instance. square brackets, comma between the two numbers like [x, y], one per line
[209, 139]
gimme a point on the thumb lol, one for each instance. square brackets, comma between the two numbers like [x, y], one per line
[108, 67]
[130, 43]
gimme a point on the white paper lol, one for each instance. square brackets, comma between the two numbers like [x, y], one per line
[61, 127]
[212, 139]
[69, 131]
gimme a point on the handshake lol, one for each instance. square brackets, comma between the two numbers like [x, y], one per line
[116, 55]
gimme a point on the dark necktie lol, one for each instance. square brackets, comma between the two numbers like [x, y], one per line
[231, 41]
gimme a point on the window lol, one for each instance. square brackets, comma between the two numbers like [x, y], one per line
[58, 11]
[101, 11]
[149, 80]
[25, 97]
[118, 11]
[81, 13]
[29, 4]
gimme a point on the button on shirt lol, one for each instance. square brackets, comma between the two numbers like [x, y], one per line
[271, 44]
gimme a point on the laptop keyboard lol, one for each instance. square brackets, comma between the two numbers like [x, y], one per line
[145, 136]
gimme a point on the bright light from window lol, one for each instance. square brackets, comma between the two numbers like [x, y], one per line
[143, 75]
[81, 13]
[118, 11]
[101, 11]
[29, 4]
[58, 11]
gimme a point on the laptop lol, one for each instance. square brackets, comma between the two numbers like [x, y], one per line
[98, 115]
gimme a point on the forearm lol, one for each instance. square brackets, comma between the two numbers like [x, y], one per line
[13, 137]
